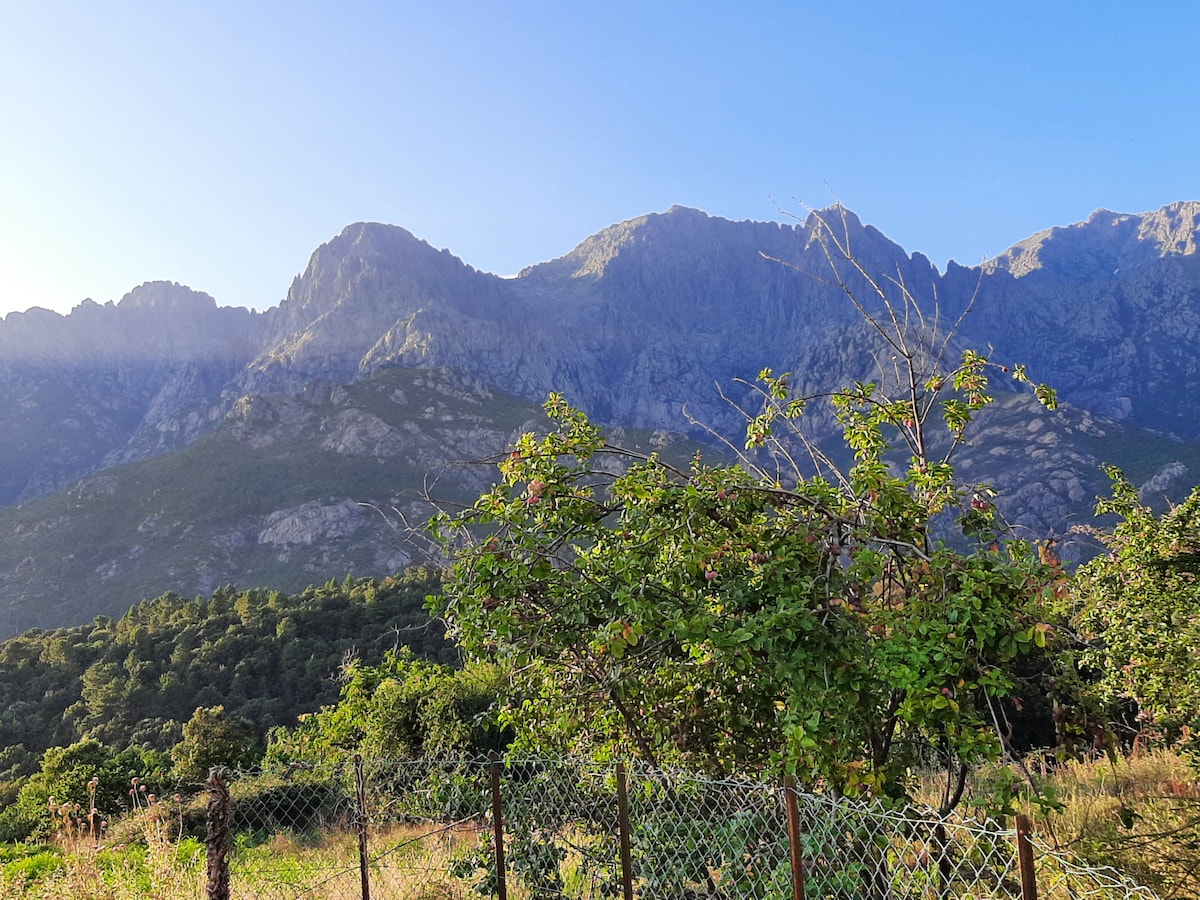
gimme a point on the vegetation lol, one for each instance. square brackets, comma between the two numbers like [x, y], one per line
[1138, 813]
[404, 708]
[778, 611]
[177, 685]
[854, 617]
[1139, 608]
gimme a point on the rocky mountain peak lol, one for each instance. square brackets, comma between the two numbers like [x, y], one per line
[157, 321]
[366, 299]
[167, 297]
[1104, 244]
[379, 241]
[328, 396]
[1173, 228]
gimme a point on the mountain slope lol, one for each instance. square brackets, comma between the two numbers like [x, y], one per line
[218, 445]
[1108, 310]
[273, 497]
[111, 383]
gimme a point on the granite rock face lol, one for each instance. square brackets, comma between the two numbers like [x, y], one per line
[638, 321]
[1108, 310]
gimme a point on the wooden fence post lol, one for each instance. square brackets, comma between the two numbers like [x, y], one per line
[360, 796]
[793, 826]
[945, 867]
[623, 824]
[498, 828]
[1025, 859]
[220, 814]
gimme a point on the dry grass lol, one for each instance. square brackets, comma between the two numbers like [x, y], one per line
[1140, 815]
[409, 862]
[406, 861]
[145, 860]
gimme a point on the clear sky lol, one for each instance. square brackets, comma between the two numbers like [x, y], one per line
[219, 143]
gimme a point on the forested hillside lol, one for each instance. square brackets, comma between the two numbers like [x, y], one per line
[265, 656]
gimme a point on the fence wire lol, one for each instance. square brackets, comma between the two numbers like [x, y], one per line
[1061, 876]
[426, 830]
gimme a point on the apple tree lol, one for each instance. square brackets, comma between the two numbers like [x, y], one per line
[736, 616]
[1138, 607]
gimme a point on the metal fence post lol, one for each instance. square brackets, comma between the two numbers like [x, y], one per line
[360, 795]
[220, 814]
[793, 826]
[623, 824]
[1025, 859]
[498, 828]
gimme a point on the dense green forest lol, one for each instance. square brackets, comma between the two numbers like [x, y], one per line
[264, 657]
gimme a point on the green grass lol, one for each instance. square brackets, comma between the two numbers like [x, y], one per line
[29, 862]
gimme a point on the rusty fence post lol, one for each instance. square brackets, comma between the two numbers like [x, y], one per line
[220, 815]
[360, 797]
[793, 827]
[623, 824]
[1025, 859]
[498, 828]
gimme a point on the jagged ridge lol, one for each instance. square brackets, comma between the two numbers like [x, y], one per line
[631, 324]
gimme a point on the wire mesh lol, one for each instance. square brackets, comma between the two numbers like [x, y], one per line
[425, 830]
[1060, 876]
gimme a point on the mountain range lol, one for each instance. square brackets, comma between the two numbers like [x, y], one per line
[166, 443]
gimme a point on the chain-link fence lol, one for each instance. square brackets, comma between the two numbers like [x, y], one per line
[538, 829]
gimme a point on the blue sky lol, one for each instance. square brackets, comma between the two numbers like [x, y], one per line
[217, 144]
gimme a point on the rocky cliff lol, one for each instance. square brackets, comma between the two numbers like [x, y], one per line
[1108, 310]
[206, 405]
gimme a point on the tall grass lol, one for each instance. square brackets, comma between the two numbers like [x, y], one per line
[1139, 814]
[406, 862]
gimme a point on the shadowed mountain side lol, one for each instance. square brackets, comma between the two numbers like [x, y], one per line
[274, 496]
[111, 383]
